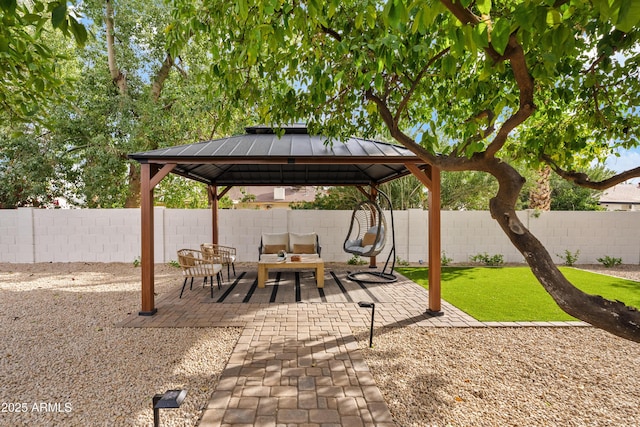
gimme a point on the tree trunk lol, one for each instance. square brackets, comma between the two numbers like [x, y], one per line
[161, 77]
[119, 79]
[133, 193]
[612, 316]
[540, 195]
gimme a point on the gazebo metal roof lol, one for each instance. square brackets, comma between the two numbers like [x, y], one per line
[261, 157]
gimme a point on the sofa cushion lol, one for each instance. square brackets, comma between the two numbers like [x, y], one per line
[276, 239]
[303, 239]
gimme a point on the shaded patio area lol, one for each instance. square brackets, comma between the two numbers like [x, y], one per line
[294, 294]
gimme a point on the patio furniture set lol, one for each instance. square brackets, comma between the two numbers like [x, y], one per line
[279, 251]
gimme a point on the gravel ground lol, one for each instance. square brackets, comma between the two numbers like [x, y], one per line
[59, 347]
[508, 376]
[63, 363]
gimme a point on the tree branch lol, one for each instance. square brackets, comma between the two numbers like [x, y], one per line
[464, 15]
[181, 70]
[515, 55]
[614, 317]
[161, 77]
[396, 133]
[416, 81]
[331, 32]
[582, 179]
[490, 115]
[118, 78]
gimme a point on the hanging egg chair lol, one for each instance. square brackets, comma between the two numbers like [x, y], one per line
[367, 237]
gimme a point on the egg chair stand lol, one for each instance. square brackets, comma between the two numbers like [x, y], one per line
[367, 237]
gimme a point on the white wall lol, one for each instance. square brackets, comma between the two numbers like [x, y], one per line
[113, 235]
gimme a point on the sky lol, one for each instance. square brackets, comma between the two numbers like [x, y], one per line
[628, 160]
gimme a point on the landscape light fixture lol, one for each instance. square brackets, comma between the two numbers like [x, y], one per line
[372, 306]
[170, 399]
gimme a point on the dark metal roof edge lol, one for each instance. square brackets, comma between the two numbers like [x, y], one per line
[161, 152]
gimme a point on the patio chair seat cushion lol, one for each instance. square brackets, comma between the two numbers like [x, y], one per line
[356, 246]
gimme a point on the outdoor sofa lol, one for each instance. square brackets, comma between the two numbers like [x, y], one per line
[304, 244]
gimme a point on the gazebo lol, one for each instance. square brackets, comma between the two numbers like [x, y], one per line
[262, 157]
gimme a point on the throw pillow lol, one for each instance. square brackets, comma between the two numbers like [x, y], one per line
[304, 249]
[368, 239]
[274, 249]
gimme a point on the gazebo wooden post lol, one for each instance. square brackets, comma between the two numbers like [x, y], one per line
[213, 197]
[435, 263]
[431, 180]
[150, 175]
[147, 257]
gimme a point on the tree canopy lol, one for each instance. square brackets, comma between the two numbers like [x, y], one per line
[29, 63]
[554, 80]
[71, 116]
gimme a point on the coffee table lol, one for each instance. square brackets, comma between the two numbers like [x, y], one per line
[303, 264]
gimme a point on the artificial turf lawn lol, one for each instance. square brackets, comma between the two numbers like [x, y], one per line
[513, 294]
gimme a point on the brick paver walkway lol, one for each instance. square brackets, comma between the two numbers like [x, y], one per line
[297, 362]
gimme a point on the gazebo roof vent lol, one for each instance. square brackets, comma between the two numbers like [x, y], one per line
[289, 129]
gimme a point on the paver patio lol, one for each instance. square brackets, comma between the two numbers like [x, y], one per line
[297, 361]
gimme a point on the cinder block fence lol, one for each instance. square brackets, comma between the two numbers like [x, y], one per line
[30, 235]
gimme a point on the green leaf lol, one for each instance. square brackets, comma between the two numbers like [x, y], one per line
[396, 13]
[59, 14]
[449, 65]
[500, 35]
[554, 17]
[39, 85]
[484, 6]
[79, 32]
[629, 15]
[480, 35]
[8, 5]
[243, 10]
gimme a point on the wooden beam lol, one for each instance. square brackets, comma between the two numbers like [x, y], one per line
[147, 172]
[420, 174]
[160, 174]
[363, 191]
[225, 191]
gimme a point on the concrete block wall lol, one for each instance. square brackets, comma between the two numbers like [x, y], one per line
[16, 239]
[97, 235]
[113, 235]
[594, 234]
